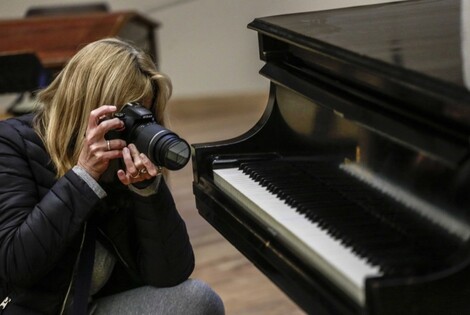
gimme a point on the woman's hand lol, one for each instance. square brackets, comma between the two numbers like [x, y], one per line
[97, 152]
[138, 166]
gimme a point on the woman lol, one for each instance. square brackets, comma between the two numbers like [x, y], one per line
[88, 224]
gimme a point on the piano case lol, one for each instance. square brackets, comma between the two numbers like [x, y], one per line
[365, 138]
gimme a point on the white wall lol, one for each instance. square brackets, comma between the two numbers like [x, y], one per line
[204, 45]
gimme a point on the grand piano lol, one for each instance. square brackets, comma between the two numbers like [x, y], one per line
[351, 193]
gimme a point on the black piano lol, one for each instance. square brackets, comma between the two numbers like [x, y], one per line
[352, 192]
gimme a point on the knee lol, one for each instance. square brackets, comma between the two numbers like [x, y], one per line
[201, 298]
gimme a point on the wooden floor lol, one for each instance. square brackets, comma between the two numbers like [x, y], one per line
[243, 288]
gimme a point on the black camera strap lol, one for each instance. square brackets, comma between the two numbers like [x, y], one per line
[84, 271]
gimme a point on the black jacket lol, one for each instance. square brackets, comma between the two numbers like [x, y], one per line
[42, 223]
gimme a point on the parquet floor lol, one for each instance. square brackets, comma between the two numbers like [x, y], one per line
[243, 288]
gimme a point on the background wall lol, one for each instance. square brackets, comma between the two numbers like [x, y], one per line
[204, 45]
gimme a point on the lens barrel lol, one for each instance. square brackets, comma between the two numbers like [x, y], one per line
[162, 146]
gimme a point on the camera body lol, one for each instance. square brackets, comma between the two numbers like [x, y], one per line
[162, 146]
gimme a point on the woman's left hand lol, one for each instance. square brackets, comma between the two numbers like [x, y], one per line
[138, 166]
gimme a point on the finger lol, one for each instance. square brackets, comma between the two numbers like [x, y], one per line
[131, 168]
[97, 128]
[136, 156]
[110, 124]
[123, 177]
[115, 144]
[151, 169]
[101, 111]
[134, 152]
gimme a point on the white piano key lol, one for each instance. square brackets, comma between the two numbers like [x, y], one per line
[306, 238]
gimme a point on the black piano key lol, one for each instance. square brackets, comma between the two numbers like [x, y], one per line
[372, 225]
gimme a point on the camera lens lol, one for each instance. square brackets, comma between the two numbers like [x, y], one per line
[162, 146]
[173, 151]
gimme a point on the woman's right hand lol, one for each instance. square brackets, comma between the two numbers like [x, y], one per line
[97, 152]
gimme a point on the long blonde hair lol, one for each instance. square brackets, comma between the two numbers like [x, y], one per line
[105, 72]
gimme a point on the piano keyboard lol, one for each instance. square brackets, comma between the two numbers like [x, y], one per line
[431, 212]
[308, 239]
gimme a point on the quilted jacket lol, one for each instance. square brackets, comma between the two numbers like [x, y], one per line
[42, 221]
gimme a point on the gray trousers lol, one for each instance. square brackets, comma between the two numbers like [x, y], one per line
[190, 297]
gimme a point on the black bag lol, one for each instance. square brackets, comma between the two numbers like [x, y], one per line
[12, 309]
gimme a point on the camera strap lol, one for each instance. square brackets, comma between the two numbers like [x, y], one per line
[84, 271]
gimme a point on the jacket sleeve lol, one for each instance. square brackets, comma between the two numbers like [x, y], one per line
[35, 230]
[165, 255]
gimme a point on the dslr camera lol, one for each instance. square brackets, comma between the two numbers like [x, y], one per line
[162, 146]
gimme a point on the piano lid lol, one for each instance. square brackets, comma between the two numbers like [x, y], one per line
[416, 52]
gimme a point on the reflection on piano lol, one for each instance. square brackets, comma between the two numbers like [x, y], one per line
[351, 192]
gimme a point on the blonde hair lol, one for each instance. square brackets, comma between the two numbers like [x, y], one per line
[105, 72]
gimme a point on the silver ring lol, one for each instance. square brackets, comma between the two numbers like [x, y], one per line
[143, 171]
[108, 145]
[137, 175]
